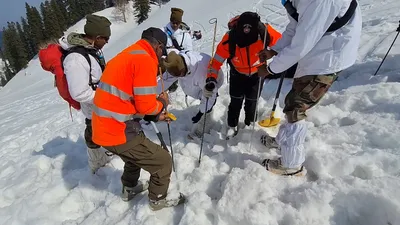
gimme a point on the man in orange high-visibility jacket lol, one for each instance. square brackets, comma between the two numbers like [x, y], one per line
[241, 46]
[126, 94]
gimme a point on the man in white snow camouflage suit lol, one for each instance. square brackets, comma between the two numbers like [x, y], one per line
[322, 49]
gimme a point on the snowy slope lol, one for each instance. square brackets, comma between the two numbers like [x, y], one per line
[353, 147]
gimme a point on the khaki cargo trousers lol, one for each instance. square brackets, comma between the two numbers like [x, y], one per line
[306, 92]
[141, 153]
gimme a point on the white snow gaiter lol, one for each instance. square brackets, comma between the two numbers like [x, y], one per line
[290, 139]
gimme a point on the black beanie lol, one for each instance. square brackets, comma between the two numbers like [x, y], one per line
[247, 29]
[155, 33]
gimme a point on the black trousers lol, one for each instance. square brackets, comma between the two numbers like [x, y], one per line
[243, 88]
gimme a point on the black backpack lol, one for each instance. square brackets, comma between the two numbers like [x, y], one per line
[85, 52]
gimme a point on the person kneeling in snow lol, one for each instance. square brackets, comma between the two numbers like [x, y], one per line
[178, 38]
[190, 69]
[328, 47]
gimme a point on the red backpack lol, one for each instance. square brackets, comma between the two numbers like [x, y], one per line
[51, 59]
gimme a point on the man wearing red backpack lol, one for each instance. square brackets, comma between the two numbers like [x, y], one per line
[83, 75]
[78, 64]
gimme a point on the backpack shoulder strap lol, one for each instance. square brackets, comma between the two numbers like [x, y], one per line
[85, 53]
[340, 22]
[232, 44]
[337, 23]
[174, 41]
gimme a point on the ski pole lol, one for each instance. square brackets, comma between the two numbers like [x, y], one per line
[398, 32]
[204, 127]
[170, 144]
[256, 110]
[168, 126]
[213, 21]
[160, 137]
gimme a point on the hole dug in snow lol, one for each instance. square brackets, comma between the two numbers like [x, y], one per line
[363, 208]
[363, 172]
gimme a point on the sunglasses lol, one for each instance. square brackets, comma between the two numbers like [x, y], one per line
[164, 49]
[105, 38]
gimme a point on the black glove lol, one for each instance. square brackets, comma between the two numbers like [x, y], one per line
[197, 35]
[211, 82]
[197, 117]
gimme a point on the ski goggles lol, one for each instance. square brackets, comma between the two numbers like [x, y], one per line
[283, 2]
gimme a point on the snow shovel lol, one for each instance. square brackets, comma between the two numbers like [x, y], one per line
[272, 120]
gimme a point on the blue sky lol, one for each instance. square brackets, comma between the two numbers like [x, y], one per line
[12, 10]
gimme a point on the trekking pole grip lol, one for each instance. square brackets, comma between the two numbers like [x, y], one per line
[213, 21]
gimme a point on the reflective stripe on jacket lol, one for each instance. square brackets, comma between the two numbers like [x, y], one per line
[246, 59]
[127, 91]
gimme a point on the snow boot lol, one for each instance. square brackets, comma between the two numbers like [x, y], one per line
[268, 141]
[275, 166]
[129, 192]
[97, 158]
[156, 205]
[231, 132]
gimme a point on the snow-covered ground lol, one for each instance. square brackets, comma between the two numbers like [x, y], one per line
[353, 146]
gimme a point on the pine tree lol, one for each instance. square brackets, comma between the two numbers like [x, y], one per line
[35, 26]
[86, 7]
[51, 27]
[14, 50]
[121, 10]
[28, 42]
[62, 6]
[8, 74]
[23, 38]
[98, 5]
[110, 3]
[74, 11]
[142, 9]
[61, 21]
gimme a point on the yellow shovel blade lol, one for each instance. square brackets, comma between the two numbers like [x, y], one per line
[269, 122]
[171, 116]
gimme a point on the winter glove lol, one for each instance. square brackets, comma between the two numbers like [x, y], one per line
[197, 35]
[266, 54]
[197, 117]
[211, 82]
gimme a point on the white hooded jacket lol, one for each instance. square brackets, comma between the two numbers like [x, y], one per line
[76, 69]
[183, 38]
[307, 42]
[193, 83]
